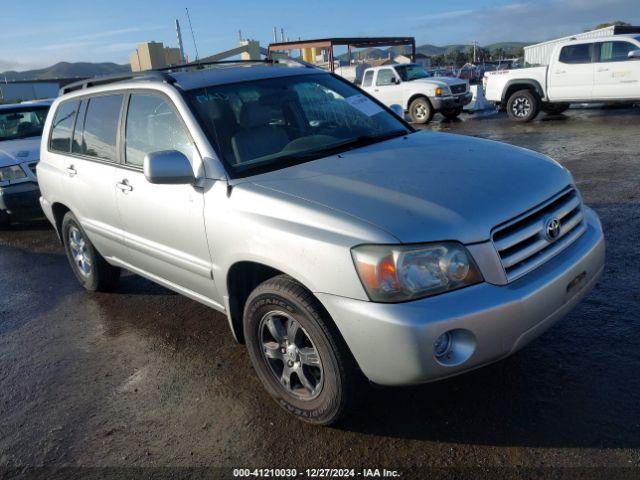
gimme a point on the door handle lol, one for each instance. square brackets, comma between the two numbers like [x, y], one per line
[124, 186]
[71, 171]
[603, 69]
[560, 72]
[376, 89]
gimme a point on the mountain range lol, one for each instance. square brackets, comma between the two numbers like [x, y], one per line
[66, 70]
[69, 70]
[510, 48]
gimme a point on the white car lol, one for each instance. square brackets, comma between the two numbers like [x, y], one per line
[20, 130]
[419, 94]
[580, 71]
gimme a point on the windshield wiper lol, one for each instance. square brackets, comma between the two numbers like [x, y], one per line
[349, 144]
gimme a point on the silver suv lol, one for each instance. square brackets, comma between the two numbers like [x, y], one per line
[340, 243]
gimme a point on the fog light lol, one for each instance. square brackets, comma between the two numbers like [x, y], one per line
[443, 344]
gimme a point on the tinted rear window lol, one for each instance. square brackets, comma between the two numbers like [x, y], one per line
[100, 130]
[62, 127]
[577, 53]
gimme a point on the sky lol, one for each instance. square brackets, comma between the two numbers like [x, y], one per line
[39, 33]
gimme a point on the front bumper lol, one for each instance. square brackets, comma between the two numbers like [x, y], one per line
[453, 101]
[21, 200]
[394, 343]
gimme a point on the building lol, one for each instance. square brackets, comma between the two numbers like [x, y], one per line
[421, 59]
[540, 53]
[152, 55]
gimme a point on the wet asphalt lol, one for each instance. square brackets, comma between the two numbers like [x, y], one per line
[144, 377]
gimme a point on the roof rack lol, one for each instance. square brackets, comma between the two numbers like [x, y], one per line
[200, 65]
[106, 79]
[163, 74]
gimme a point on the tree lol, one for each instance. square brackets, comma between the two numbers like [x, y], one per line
[498, 54]
[616, 23]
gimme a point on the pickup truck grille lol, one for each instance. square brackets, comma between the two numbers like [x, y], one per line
[525, 242]
[458, 89]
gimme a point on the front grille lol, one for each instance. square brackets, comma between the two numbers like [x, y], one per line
[523, 243]
[460, 88]
[32, 167]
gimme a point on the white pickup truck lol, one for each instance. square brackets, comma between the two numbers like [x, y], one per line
[581, 71]
[419, 94]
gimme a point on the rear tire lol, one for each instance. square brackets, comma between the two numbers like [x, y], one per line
[523, 106]
[452, 113]
[297, 352]
[90, 268]
[555, 108]
[421, 111]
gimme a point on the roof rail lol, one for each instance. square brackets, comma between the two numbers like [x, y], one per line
[200, 65]
[107, 79]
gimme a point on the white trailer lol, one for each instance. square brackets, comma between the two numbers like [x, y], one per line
[540, 53]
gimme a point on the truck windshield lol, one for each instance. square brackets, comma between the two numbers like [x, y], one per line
[22, 122]
[273, 123]
[411, 72]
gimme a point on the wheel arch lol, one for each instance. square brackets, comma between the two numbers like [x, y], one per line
[59, 211]
[415, 96]
[242, 278]
[514, 85]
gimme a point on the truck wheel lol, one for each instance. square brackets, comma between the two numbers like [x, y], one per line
[555, 108]
[297, 353]
[90, 268]
[452, 114]
[523, 106]
[421, 111]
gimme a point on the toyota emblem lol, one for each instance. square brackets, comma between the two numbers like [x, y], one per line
[552, 229]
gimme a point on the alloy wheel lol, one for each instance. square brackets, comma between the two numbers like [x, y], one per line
[79, 251]
[291, 355]
[521, 107]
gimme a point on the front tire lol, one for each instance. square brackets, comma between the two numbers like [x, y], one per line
[421, 111]
[297, 353]
[90, 268]
[523, 106]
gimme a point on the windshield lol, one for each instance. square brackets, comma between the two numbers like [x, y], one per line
[273, 123]
[22, 122]
[411, 72]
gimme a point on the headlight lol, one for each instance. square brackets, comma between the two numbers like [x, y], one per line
[14, 172]
[399, 273]
[438, 92]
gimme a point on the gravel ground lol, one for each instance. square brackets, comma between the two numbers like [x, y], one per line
[144, 377]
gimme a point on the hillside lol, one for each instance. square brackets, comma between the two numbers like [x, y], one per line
[67, 70]
[433, 50]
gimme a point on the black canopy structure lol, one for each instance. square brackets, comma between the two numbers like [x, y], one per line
[328, 44]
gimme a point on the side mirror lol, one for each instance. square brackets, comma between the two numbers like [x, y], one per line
[397, 110]
[396, 81]
[169, 167]
[634, 54]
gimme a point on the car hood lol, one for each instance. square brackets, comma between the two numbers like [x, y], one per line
[427, 186]
[440, 81]
[19, 151]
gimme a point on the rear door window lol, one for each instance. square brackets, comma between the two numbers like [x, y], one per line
[62, 127]
[573, 54]
[100, 132]
[367, 81]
